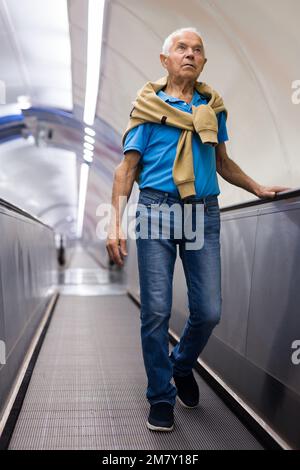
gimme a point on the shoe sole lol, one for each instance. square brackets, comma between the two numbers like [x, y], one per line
[159, 428]
[186, 406]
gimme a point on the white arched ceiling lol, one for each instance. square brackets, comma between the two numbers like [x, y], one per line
[35, 61]
[35, 57]
[41, 181]
[253, 57]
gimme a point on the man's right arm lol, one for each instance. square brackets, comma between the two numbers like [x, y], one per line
[124, 178]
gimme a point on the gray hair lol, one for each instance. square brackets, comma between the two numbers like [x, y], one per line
[168, 41]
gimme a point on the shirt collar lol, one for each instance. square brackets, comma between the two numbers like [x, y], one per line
[197, 98]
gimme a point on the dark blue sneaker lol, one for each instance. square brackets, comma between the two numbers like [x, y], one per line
[161, 417]
[187, 390]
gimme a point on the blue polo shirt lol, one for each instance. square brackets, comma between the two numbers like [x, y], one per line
[157, 145]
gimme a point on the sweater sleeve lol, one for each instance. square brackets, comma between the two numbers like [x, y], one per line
[222, 132]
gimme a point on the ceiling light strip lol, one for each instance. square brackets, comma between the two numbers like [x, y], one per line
[84, 175]
[94, 47]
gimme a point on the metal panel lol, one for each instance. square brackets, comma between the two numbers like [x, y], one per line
[2, 325]
[275, 404]
[237, 253]
[27, 268]
[274, 320]
[12, 276]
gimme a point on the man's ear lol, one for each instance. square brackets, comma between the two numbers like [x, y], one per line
[205, 60]
[163, 60]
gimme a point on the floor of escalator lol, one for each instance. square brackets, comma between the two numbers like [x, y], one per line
[84, 275]
[87, 390]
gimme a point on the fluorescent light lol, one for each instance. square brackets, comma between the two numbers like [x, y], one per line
[84, 175]
[87, 158]
[88, 146]
[94, 46]
[88, 153]
[89, 131]
[24, 102]
[89, 139]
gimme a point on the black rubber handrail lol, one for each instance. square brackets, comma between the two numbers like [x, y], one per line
[18, 210]
[278, 197]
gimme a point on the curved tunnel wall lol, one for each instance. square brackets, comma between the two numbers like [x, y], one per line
[253, 61]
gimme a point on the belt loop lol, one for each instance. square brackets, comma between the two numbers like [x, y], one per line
[166, 195]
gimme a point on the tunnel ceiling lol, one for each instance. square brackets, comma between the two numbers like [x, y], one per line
[35, 57]
[253, 59]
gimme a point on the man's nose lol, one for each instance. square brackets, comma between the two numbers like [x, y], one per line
[189, 52]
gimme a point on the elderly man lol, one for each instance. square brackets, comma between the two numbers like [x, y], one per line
[173, 146]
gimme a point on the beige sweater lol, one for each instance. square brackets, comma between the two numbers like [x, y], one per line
[148, 107]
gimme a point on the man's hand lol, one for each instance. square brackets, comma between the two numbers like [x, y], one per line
[269, 191]
[123, 181]
[116, 246]
[232, 173]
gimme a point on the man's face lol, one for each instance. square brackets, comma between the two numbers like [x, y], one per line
[186, 57]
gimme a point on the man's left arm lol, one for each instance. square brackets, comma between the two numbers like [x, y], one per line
[232, 173]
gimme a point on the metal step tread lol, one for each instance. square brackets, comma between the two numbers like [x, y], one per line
[88, 387]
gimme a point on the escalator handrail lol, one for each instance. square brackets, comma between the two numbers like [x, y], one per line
[18, 210]
[291, 193]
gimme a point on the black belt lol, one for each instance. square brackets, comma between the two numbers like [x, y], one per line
[190, 199]
[186, 200]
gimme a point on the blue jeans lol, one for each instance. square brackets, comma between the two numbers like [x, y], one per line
[202, 268]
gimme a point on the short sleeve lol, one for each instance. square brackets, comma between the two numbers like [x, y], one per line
[222, 132]
[137, 138]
